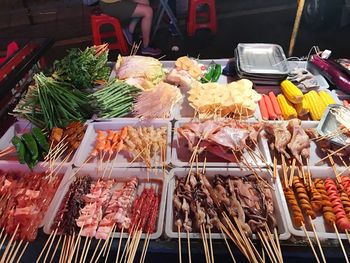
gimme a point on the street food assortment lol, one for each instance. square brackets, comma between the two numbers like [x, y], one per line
[285, 151]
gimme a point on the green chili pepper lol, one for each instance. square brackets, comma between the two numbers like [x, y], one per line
[20, 149]
[210, 71]
[40, 139]
[31, 145]
[217, 73]
[28, 160]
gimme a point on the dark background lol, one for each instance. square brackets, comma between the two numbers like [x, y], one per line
[239, 21]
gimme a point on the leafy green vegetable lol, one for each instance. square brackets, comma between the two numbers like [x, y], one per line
[53, 103]
[115, 99]
[83, 69]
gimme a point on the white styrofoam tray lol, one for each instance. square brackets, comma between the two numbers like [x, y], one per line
[123, 158]
[322, 230]
[180, 155]
[16, 167]
[315, 153]
[170, 229]
[157, 179]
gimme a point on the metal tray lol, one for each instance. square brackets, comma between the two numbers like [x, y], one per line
[329, 124]
[262, 59]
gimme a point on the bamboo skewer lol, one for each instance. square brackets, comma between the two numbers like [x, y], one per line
[8, 246]
[317, 239]
[292, 172]
[105, 244]
[189, 247]
[228, 246]
[9, 255]
[87, 249]
[55, 249]
[341, 243]
[331, 154]
[95, 250]
[179, 244]
[211, 245]
[15, 252]
[267, 249]
[22, 252]
[207, 258]
[311, 245]
[120, 242]
[62, 249]
[51, 242]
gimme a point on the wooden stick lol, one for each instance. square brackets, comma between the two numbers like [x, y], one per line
[149, 238]
[144, 248]
[55, 249]
[278, 243]
[317, 239]
[87, 249]
[9, 244]
[48, 250]
[189, 247]
[267, 249]
[106, 253]
[95, 250]
[274, 167]
[284, 171]
[204, 244]
[23, 250]
[120, 242]
[228, 246]
[296, 27]
[179, 244]
[62, 249]
[341, 243]
[311, 245]
[105, 243]
[9, 255]
[211, 245]
[347, 235]
[292, 173]
[327, 156]
[15, 252]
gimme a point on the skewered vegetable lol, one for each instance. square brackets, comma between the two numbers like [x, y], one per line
[326, 97]
[83, 69]
[115, 99]
[31, 147]
[291, 92]
[288, 111]
[316, 105]
[302, 108]
[52, 103]
[298, 218]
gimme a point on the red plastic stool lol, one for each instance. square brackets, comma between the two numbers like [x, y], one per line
[193, 25]
[97, 20]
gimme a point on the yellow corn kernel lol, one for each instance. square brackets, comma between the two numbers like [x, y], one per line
[326, 97]
[316, 105]
[291, 92]
[302, 108]
[288, 111]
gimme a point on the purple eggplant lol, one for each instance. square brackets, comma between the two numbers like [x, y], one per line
[336, 76]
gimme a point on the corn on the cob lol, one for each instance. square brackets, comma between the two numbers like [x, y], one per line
[302, 108]
[288, 111]
[316, 105]
[326, 97]
[291, 92]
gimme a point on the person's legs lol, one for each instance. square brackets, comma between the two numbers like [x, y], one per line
[145, 12]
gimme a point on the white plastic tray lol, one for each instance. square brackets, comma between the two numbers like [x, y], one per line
[180, 155]
[321, 230]
[315, 154]
[171, 232]
[122, 158]
[157, 180]
[16, 167]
